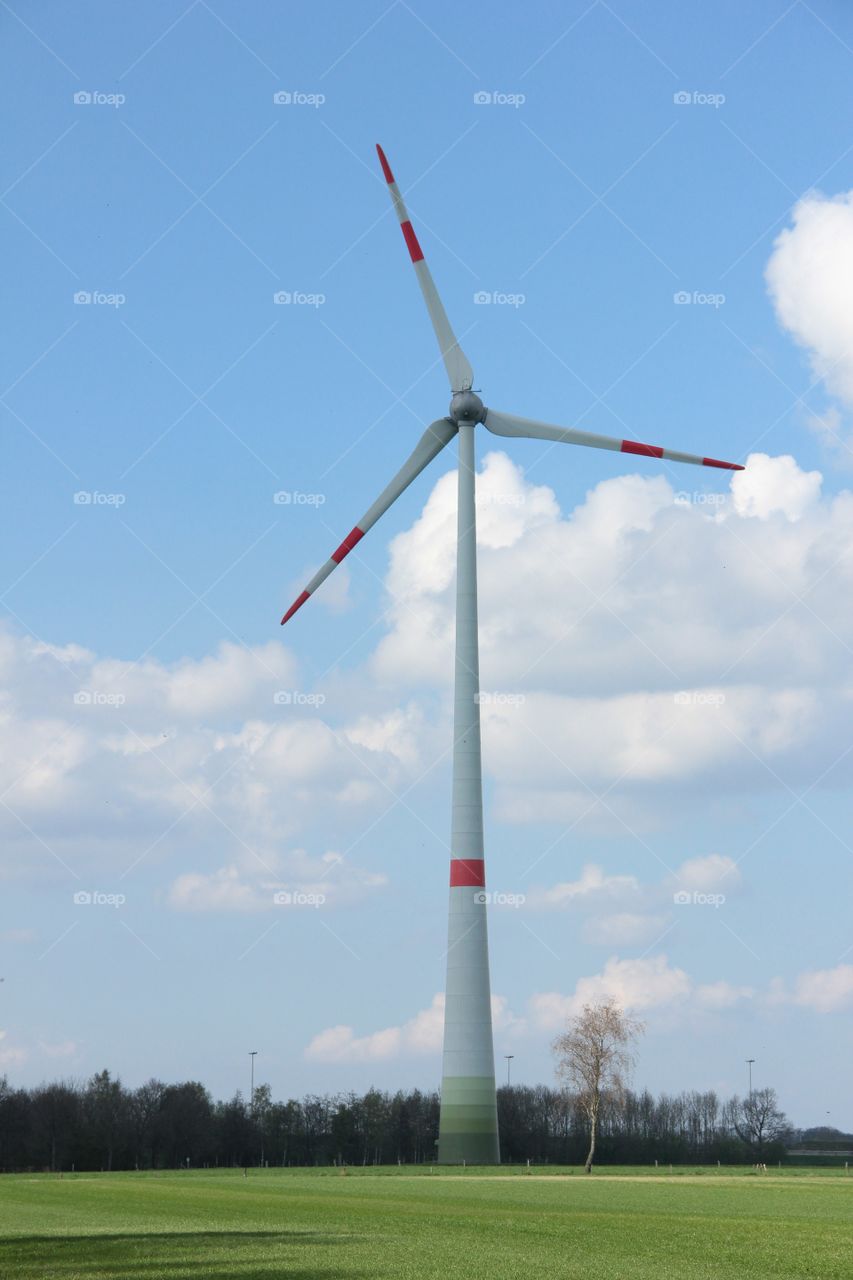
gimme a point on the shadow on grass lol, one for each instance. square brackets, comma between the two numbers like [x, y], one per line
[184, 1253]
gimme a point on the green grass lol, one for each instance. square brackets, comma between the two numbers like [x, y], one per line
[619, 1224]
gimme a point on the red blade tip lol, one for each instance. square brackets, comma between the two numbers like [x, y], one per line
[297, 604]
[726, 466]
[386, 168]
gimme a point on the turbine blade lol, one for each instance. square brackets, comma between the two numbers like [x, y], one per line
[508, 424]
[428, 447]
[459, 371]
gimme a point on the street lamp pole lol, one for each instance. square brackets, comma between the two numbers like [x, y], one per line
[749, 1063]
[253, 1053]
[509, 1057]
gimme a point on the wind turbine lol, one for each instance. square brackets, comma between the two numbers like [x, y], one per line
[468, 1126]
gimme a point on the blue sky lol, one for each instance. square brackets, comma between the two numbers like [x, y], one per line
[183, 398]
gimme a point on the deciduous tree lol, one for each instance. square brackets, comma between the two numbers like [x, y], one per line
[594, 1058]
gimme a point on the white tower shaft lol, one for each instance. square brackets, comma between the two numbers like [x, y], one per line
[468, 1129]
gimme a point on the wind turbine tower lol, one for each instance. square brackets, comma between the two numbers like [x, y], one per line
[468, 1126]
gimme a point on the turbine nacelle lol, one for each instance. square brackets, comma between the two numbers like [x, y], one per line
[466, 406]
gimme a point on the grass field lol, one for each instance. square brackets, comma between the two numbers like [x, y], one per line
[618, 1224]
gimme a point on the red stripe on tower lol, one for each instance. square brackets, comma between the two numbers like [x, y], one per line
[467, 873]
[727, 466]
[355, 535]
[415, 250]
[645, 450]
[297, 604]
[386, 168]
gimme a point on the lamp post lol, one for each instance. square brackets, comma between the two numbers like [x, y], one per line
[509, 1057]
[253, 1053]
[749, 1064]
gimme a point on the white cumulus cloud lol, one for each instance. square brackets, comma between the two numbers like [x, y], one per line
[772, 485]
[810, 277]
[593, 884]
[635, 985]
[705, 874]
[288, 880]
[825, 990]
[422, 1034]
[11, 1055]
[107, 764]
[721, 995]
[623, 929]
[638, 641]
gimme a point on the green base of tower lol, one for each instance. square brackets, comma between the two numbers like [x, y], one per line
[468, 1125]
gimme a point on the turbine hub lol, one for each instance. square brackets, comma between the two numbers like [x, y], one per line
[466, 406]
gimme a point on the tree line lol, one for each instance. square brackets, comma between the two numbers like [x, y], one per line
[100, 1124]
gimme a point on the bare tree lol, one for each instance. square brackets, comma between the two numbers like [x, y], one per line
[758, 1120]
[594, 1058]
